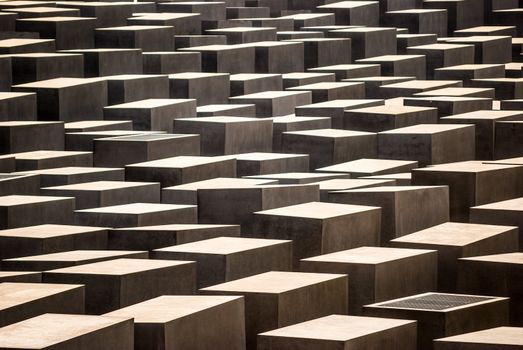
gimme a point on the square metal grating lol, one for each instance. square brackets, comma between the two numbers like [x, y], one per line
[436, 301]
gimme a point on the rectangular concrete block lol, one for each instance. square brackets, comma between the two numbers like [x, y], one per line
[21, 301]
[274, 103]
[451, 105]
[236, 205]
[353, 13]
[319, 228]
[224, 259]
[37, 160]
[404, 209]
[183, 23]
[20, 276]
[17, 106]
[497, 274]
[228, 135]
[472, 184]
[66, 259]
[399, 65]
[180, 170]
[152, 114]
[74, 175]
[45, 210]
[232, 58]
[323, 92]
[113, 284]
[21, 184]
[160, 236]
[369, 41]
[68, 99]
[188, 193]
[297, 79]
[366, 167]
[215, 110]
[206, 88]
[295, 123]
[29, 67]
[383, 118]
[147, 37]
[330, 146]
[443, 55]
[171, 62]
[485, 128]
[441, 315]
[187, 321]
[110, 61]
[373, 272]
[137, 214]
[339, 331]
[245, 84]
[335, 109]
[26, 45]
[124, 150]
[68, 32]
[428, 143]
[457, 240]
[492, 338]
[258, 163]
[50, 238]
[107, 193]
[81, 333]
[274, 299]
[24, 136]
[500, 213]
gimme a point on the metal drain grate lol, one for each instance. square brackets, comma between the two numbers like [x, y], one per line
[436, 301]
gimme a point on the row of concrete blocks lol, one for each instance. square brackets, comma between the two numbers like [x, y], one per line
[364, 45]
[198, 322]
[56, 98]
[223, 201]
[191, 17]
[481, 135]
